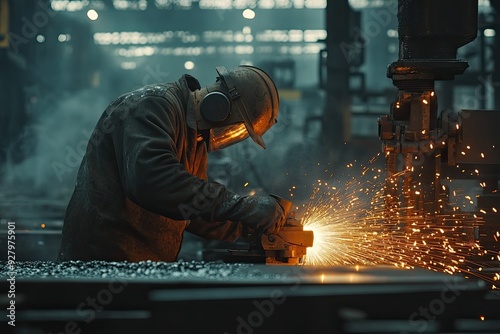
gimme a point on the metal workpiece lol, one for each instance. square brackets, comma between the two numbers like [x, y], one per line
[203, 272]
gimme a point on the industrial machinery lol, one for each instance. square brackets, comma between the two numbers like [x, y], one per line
[425, 149]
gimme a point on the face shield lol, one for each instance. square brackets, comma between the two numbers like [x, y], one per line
[222, 137]
[242, 103]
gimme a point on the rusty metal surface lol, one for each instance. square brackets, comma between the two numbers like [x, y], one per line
[227, 273]
[202, 297]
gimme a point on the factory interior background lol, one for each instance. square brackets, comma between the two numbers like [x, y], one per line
[63, 61]
[58, 82]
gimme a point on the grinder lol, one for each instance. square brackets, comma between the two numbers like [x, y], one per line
[288, 246]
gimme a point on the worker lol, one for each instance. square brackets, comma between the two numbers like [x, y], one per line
[143, 179]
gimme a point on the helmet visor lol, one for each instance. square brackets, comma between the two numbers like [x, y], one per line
[228, 135]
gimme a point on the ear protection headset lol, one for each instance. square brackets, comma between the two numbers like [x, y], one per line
[216, 106]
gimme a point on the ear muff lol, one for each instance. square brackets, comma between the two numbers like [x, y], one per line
[215, 107]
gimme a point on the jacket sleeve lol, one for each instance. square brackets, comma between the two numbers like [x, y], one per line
[220, 230]
[153, 177]
[150, 172]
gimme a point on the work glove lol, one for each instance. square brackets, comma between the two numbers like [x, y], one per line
[260, 212]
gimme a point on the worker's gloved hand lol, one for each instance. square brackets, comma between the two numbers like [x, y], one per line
[261, 212]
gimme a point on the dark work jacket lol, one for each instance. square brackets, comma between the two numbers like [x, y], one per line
[143, 181]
